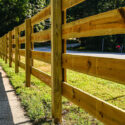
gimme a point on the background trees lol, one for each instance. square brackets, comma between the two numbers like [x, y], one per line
[14, 12]
[92, 7]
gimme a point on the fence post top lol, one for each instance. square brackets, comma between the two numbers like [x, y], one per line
[27, 19]
[16, 28]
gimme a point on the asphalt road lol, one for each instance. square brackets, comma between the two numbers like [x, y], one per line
[97, 54]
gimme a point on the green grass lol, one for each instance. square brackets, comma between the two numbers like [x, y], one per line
[37, 99]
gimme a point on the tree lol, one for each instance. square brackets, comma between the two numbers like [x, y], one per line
[13, 12]
[93, 7]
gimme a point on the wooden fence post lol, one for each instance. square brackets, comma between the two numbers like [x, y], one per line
[56, 60]
[17, 50]
[6, 48]
[10, 49]
[64, 46]
[2, 49]
[32, 45]
[28, 51]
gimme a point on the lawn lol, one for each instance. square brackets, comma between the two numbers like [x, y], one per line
[37, 99]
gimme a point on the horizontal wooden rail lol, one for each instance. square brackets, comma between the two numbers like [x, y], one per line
[21, 40]
[41, 56]
[108, 23]
[21, 27]
[42, 15]
[13, 59]
[42, 36]
[41, 76]
[13, 41]
[70, 3]
[13, 50]
[22, 52]
[102, 110]
[22, 65]
[46, 12]
[107, 68]
[13, 32]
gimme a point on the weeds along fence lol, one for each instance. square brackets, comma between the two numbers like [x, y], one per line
[108, 23]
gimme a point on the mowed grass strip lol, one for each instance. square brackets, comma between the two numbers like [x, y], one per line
[37, 99]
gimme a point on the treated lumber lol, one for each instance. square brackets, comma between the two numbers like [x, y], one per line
[13, 59]
[64, 42]
[13, 51]
[108, 23]
[41, 76]
[22, 65]
[41, 36]
[21, 40]
[5, 42]
[41, 56]
[21, 27]
[10, 49]
[46, 12]
[56, 60]
[2, 49]
[28, 52]
[103, 111]
[13, 41]
[42, 15]
[16, 50]
[106, 68]
[70, 3]
[13, 32]
[21, 52]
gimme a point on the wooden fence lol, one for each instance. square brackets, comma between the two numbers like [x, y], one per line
[108, 23]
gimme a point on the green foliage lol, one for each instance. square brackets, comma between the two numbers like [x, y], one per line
[90, 8]
[14, 12]
[36, 5]
[37, 99]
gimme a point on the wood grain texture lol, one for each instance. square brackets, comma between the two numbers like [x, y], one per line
[13, 32]
[10, 49]
[64, 48]
[21, 27]
[100, 109]
[16, 50]
[22, 65]
[70, 3]
[56, 60]
[28, 52]
[42, 15]
[13, 59]
[41, 76]
[21, 40]
[42, 36]
[22, 52]
[5, 41]
[107, 68]
[41, 56]
[108, 23]
[3, 46]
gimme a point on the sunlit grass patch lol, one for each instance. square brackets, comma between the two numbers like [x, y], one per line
[37, 99]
